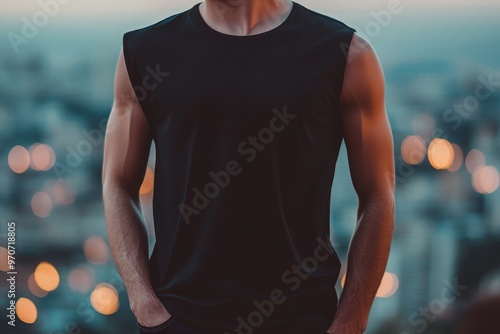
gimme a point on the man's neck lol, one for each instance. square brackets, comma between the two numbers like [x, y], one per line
[244, 17]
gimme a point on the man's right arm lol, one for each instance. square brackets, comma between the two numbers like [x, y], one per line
[126, 153]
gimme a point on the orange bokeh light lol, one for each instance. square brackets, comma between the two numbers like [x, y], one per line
[104, 299]
[96, 250]
[4, 265]
[440, 153]
[41, 204]
[19, 159]
[43, 157]
[62, 193]
[474, 159]
[388, 286]
[485, 179]
[46, 276]
[413, 150]
[34, 288]
[458, 159]
[148, 182]
[26, 310]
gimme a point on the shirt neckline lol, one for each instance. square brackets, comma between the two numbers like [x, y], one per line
[202, 24]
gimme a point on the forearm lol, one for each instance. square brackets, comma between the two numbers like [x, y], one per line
[128, 240]
[367, 260]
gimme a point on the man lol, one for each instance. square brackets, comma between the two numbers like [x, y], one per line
[247, 102]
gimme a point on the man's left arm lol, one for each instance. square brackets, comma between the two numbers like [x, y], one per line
[369, 144]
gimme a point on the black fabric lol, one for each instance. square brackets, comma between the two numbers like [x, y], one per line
[175, 325]
[247, 135]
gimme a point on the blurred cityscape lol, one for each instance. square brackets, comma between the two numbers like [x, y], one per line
[443, 102]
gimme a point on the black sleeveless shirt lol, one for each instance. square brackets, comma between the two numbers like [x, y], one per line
[247, 134]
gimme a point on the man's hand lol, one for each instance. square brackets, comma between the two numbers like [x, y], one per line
[148, 310]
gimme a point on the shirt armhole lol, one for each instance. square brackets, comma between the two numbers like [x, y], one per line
[345, 47]
[131, 64]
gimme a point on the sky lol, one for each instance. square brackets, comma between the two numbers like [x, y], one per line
[128, 8]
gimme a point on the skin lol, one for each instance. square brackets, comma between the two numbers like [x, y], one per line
[126, 151]
[244, 17]
[369, 144]
[367, 136]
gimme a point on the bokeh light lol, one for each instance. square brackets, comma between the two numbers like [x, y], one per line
[62, 193]
[43, 157]
[413, 150]
[56, 93]
[474, 159]
[4, 265]
[458, 158]
[388, 286]
[34, 288]
[96, 250]
[104, 299]
[19, 159]
[148, 182]
[46, 276]
[26, 310]
[440, 153]
[41, 204]
[485, 179]
[81, 279]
